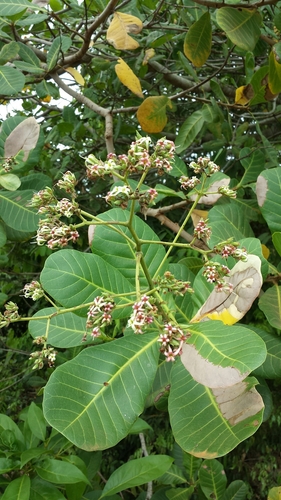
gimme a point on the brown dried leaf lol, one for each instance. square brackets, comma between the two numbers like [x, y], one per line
[238, 402]
[23, 138]
[206, 373]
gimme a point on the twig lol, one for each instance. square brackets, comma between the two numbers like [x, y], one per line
[149, 491]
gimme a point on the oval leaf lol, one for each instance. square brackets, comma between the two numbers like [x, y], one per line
[18, 489]
[198, 41]
[11, 80]
[209, 423]
[270, 304]
[59, 472]
[23, 138]
[11, 182]
[119, 29]
[94, 399]
[152, 114]
[128, 77]
[189, 131]
[242, 26]
[137, 472]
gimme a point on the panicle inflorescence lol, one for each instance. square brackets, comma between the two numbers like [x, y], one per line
[33, 290]
[144, 313]
[10, 314]
[202, 230]
[171, 340]
[169, 283]
[99, 315]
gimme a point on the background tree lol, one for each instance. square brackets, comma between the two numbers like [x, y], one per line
[92, 74]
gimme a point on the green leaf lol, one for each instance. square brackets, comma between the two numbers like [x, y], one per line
[60, 45]
[11, 7]
[253, 162]
[140, 425]
[198, 424]
[28, 68]
[64, 330]
[274, 74]
[198, 41]
[212, 479]
[31, 19]
[59, 472]
[268, 189]
[189, 131]
[3, 237]
[271, 368]
[137, 472]
[36, 421]
[228, 221]
[8, 52]
[173, 476]
[11, 80]
[15, 211]
[11, 182]
[18, 489]
[276, 240]
[270, 304]
[160, 387]
[121, 253]
[30, 454]
[179, 167]
[28, 55]
[95, 398]
[42, 490]
[9, 425]
[74, 278]
[242, 26]
[237, 490]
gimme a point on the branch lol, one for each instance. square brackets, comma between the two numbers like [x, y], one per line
[75, 58]
[218, 5]
[184, 83]
[156, 212]
[105, 112]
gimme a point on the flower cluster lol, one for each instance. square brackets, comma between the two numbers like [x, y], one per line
[10, 314]
[119, 196]
[47, 353]
[229, 248]
[52, 231]
[188, 182]
[99, 315]
[55, 233]
[143, 315]
[227, 192]
[170, 284]
[216, 273]
[138, 159]
[68, 183]
[202, 230]
[204, 164]
[33, 290]
[171, 341]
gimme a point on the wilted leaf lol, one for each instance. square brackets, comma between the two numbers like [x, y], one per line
[197, 215]
[128, 77]
[238, 402]
[76, 75]
[275, 493]
[207, 373]
[244, 94]
[198, 41]
[230, 307]
[152, 114]
[23, 138]
[117, 33]
[149, 53]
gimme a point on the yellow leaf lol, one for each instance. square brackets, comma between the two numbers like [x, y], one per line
[265, 251]
[128, 77]
[76, 75]
[117, 33]
[48, 98]
[152, 114]
[244, 94]
[149, 53]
